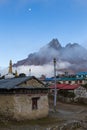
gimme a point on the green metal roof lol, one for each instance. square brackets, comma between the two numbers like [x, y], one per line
[69, 79]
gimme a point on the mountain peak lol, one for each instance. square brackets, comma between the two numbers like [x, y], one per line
[72, 56]
[54, 44]
[70, 45]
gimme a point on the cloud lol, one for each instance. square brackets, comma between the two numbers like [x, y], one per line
[36, 70]
[63, 65]
[47, 70]
[3, 71]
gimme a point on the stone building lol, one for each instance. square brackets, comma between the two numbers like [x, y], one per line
[81, 92]
[23, 98]
[66, 80]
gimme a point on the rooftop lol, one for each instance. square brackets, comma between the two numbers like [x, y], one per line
[16, 82]
[65, 86]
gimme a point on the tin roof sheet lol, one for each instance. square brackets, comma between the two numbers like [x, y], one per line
[65, 86]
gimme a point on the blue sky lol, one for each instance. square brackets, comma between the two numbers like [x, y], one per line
[27, 25]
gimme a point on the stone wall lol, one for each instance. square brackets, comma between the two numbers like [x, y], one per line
[6, 106]
[78, 100]
[80, 92]
[19, 107]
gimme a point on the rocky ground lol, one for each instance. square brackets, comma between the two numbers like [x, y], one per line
[71, 113]
[66, 117]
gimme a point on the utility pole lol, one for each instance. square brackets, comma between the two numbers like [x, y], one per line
[55, 90]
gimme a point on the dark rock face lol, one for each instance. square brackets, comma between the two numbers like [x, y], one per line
[54, 44]
[74, 54]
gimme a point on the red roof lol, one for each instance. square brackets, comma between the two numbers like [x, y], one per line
[65, 86]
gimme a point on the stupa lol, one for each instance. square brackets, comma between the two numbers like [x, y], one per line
[10, 73]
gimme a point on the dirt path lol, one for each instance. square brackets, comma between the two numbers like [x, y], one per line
[70, 111]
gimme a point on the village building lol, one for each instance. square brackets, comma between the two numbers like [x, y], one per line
[66, 80]
[81, 92]
[72, 80]
[65, 87]
[81, 74]
[69, 92]
[23, 98]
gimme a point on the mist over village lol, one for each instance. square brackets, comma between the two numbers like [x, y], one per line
[43, 65]
[38, 64]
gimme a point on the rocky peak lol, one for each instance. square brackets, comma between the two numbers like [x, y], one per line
[72, 56]
[70, 45]
[75, 45]
[54, 44]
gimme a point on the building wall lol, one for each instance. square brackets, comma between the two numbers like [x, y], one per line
[80, 92]
[6, 106]
[32, 82]
[73, 82]
[19, 107]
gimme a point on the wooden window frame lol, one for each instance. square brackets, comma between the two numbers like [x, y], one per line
[35, 103]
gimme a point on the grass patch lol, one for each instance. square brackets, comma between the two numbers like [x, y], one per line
[40, 122]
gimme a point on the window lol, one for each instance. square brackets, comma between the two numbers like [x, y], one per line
[76, 81]
[69, 82]
[35, 103]
[64, 82]
[80, 81]
[25, 82]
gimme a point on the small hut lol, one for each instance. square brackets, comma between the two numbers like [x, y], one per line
[23, 98]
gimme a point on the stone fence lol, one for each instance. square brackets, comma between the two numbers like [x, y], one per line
[78, 100]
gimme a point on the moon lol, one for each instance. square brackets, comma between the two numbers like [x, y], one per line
[29, 9]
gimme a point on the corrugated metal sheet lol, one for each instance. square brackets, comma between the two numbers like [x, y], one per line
[65, 86]
[70, 79]
[65, 79]
[14, 82]
[81, 73]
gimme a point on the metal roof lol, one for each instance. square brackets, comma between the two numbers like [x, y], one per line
[49, 79]
[65, 86]
[14, 82]
[81, 73]
[65, 79]
[70, 79]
